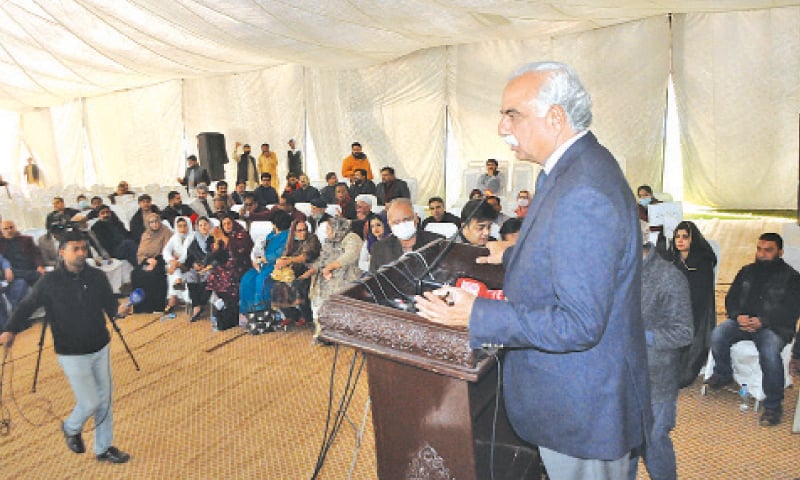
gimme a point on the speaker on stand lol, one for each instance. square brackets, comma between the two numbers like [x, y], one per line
[212, 153]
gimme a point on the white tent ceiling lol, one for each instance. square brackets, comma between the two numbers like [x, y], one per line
[54, 51]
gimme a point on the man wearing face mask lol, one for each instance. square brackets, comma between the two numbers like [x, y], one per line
[762, 304]
[404, 238]
[357, 159]
[523, 201]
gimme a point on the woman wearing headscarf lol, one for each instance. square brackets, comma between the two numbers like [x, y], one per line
[174, 251]
[377, 229]
[256, 284]
[197, 260]
[150, 273]
[693, 256]
[302, 249]
[337, 264]
[230, 254]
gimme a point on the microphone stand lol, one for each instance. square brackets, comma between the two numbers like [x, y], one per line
[448, 246]
[39, 355]
[119, 332]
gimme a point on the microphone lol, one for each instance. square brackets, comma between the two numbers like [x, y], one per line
[135, 298]
[421, 281]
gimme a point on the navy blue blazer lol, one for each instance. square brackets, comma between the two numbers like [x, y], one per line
[575, 372]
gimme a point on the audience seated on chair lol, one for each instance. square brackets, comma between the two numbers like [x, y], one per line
[256, 284]
[122, 191]
[477, 218]
[292, 297]
[198, 264]
[523, 202]
[137, 226]
[114, 237]
[174, 255]
[509, 232]
[377, 229]
[201, 204]
[318, 213]
[176, 208]
[5, 281]
[645, 194]
[25, 259]
[391, 187]
[230, 257]
[762, 305]
[493, 182]
[439, 214]
[328, 192]
[60, 214]
[494, 201]
[405, 236]
[150, 271]
[693, 255]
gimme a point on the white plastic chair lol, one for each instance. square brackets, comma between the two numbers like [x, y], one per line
[445, 229]
[260, 229]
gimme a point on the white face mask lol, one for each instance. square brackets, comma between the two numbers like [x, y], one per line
[404, 230]
[511, 140]
[523, 202]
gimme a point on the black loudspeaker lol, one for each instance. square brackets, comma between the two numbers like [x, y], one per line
[212, 153]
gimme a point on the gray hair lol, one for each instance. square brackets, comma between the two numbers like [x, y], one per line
[563, 88]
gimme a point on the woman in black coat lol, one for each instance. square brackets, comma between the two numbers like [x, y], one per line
[692, 254]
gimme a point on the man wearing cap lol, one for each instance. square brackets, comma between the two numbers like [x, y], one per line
[318, 213]
[137, 220]
[200, 203]
[246, 169]
[194, 175]
[363, 215]
[294, 158]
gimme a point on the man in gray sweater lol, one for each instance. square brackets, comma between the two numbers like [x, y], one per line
[667, 318]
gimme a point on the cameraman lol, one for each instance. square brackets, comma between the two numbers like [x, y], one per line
[75, 298]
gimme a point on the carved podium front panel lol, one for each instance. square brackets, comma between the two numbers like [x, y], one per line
[433, 397]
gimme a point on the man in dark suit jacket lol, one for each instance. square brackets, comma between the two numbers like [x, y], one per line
[391, 187]
[575, 376]
[405, 236]
[195, 174]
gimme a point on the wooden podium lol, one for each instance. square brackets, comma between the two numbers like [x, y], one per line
[433, 397]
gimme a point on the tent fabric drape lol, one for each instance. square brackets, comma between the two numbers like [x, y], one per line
[739, 111]
[396, 111]
[629, 98]
[136, 135]
[266, 106]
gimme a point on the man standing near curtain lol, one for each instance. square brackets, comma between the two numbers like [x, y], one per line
[575, 374]
[246, 170]
[268, 161]
[75, 298]
[294, 158]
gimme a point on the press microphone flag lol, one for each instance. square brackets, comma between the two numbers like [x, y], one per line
[135, 298]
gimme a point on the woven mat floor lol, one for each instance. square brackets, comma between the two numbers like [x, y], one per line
[225, 405]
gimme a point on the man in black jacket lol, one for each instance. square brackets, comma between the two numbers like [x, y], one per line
[114, 237]
[763, 304]
[137, 220]
[175, 209]
[75, 298]
[195, 174]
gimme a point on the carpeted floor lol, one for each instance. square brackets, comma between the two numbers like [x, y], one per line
[229, 405]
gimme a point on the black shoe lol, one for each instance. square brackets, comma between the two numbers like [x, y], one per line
[770, 417]
[113, 455]
[717, 381]
[74, 442]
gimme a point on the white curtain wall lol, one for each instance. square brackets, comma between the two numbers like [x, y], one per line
[395, 110]
[136, 135]
[266, 106]
[739, 111]
[736, 87]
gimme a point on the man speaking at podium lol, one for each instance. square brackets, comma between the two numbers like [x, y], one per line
[575, 372]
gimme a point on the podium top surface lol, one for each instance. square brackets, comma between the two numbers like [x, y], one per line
[361, 316]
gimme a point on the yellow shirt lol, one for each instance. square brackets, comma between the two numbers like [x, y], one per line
[268, 163]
